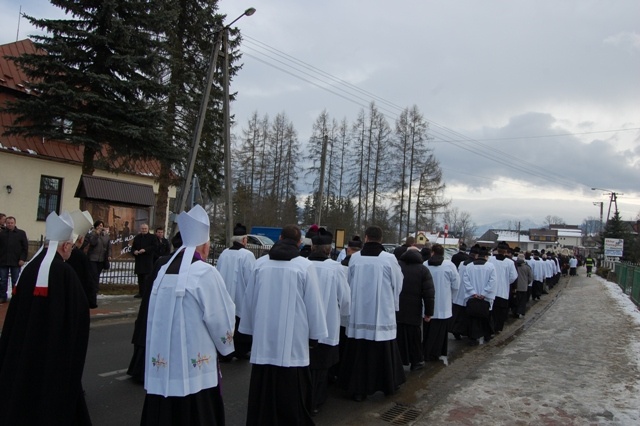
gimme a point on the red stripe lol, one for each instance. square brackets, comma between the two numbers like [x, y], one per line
[41, 291]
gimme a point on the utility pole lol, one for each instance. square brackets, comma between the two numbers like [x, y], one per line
[323, 162]
[181, 201]
[195, 143]
[601, 208]
[228, 183]
[613, 199]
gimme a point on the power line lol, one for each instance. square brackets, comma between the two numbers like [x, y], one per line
[338, 87]
[512, 138]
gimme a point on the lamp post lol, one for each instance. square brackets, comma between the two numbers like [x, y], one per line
[182, 201]
[228, 182]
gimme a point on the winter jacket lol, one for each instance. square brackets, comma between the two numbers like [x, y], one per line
[417, 290]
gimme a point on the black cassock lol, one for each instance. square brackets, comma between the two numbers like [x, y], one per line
[42, 350]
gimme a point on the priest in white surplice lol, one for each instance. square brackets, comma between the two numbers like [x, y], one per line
[235, 265]
[336, 299]
[506, 274]
[283, 312]
[372, 359]
[478, 279]
[191, 317]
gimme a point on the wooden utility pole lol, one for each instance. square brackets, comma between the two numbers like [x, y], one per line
[323, 162]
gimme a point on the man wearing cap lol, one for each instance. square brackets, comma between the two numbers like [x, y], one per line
[235, 265]
[506, 274]
[460, 256]
[283, 312]
[372, 360]
[336, 298]
[459, 319]
[354, 245]
[479, 281]
[539, 271]
[44, 339]
[190, 318]
[446, 281]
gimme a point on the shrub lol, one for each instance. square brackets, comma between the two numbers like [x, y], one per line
[603, 272]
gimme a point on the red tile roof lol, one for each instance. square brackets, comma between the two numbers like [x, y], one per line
[12, 82]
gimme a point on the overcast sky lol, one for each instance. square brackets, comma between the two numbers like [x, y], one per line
[530, 103]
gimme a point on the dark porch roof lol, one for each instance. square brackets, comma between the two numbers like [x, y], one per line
[100, 188]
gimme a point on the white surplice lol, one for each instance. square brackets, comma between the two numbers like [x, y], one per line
[336, 296]
[185, 329]
[235, 266]
[376, 283]
[282, 311]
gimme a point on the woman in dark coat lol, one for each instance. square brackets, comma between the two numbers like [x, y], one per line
[416, 303]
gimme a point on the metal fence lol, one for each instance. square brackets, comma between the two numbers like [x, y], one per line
[122, 270]
[628, 278]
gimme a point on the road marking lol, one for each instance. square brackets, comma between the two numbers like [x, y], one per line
[112, 373]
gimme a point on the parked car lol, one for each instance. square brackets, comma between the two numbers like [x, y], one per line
[259, 240]
[389, 247]
[259, 244]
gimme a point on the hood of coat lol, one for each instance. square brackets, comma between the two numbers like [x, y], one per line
[411, 256]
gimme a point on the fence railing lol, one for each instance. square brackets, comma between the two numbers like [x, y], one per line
[628, 278]
[122, 270]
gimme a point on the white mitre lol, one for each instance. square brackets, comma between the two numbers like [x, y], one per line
[82, 222]
[58, 229]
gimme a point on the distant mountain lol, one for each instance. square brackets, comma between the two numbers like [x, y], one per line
[507, 225]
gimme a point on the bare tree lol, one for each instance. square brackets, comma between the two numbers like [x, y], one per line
[553, 220]
[590, 225]
[410, 150]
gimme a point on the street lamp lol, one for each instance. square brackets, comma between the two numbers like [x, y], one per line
[200, 123]
[227, 126]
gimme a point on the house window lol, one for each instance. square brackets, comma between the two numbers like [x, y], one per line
[49, 198]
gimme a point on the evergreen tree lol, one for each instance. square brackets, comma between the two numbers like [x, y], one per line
[616, 228]
[95, 77]
[430, 199]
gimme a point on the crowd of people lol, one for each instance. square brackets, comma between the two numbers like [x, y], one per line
[303, 320]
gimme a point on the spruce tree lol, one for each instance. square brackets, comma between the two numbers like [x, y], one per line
[95, 80]
[616, 228]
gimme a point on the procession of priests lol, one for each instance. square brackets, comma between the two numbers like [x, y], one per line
[301, 319]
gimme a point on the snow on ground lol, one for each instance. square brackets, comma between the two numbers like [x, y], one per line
[624, 302]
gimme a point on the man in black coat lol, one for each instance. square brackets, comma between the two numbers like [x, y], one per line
[14, 248]
[416, 299]
[44, 339]
[164, 248]
[399, 251]
[143, 248]
[460, 256]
